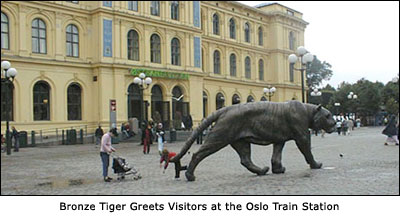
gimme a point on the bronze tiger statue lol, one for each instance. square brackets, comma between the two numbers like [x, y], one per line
[260, 123]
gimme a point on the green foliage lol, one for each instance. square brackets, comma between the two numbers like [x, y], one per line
[318, 71]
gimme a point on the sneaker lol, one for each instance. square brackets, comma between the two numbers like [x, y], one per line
[385, 144]
[107, 179]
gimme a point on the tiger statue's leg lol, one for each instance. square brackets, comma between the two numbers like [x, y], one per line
[244, 151]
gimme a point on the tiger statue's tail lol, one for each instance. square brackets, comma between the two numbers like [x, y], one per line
[199, 130]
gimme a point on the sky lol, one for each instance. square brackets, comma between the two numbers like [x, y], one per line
[359, 39]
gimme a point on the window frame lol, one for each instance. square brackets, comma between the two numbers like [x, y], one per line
[175, 52]
[232, 65]
[215, 21]
[232, 29]
[247, 31]
[5, 33]
[217, 62]
[40, 105]
[175, 10]
[133, 45]
[155, 49]
[155, 8]
[72, 42]
[247, 67]
[38, 37]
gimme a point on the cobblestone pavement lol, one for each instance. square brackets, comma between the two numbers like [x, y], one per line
[366, 168]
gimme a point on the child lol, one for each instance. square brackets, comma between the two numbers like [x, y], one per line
[165, 157]
[160, 137]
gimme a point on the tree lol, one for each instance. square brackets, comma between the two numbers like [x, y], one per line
[318, 71]
[390, 97]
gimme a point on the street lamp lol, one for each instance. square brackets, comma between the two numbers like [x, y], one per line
[144, 83]
[269, 92]
[337, 105]
[316, 93]
[305, 59]
[352, 96]
[8, 75]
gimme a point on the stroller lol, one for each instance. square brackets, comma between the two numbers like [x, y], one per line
[122, 168]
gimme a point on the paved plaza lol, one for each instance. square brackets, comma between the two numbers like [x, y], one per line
[366, 167]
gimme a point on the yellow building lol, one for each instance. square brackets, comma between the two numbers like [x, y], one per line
[73, 57]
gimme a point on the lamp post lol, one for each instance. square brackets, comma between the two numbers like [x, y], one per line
[316, 93]
[337, 105]
[269, 92]
[8, 75]
[352, 96]
[144, 83]
[305, 59]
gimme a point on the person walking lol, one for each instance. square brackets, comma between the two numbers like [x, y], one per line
[160, 137]
[344, 127]
[105, 151]
[147, 138]
[391, 131]
[15, 135]
[338, 126]
[166, 157]
[98, 134]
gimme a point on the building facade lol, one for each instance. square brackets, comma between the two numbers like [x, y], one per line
[73, 57]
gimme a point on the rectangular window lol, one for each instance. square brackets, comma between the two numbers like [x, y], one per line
[133, 5]
[107, 38]
[291, 13]
[107, 3]
[196, 13]
[155, 8]
[197, 54]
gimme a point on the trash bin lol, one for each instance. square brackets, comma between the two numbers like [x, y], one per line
[71, 137]
[172, 135]
[23, 139]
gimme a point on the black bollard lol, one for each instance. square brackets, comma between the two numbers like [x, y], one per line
[33, 141]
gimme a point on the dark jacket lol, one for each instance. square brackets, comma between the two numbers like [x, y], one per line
[391, 129]
[158, 132]
[144, 135]
[15, 134]
[99, 132]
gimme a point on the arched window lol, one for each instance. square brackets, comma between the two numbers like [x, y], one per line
[175, 10]
[155, 47]
[291, 40]
[5, 36]
[232, 28]
[72, 41]
[235, 99]
[250, 99]
[74, 102]
[220, 101]
[232, 65]
[263, 98]
[41, 101]
[7, 101]
[247, 32]
[133, 5]
[216, 24]
[133, 45]
[261, 69]
[260, 36]
[247, 67]
[175, 52]
[155, 8]
[217, 62]
[38, 36]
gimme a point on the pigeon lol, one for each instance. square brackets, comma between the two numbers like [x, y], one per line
[341, 155]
